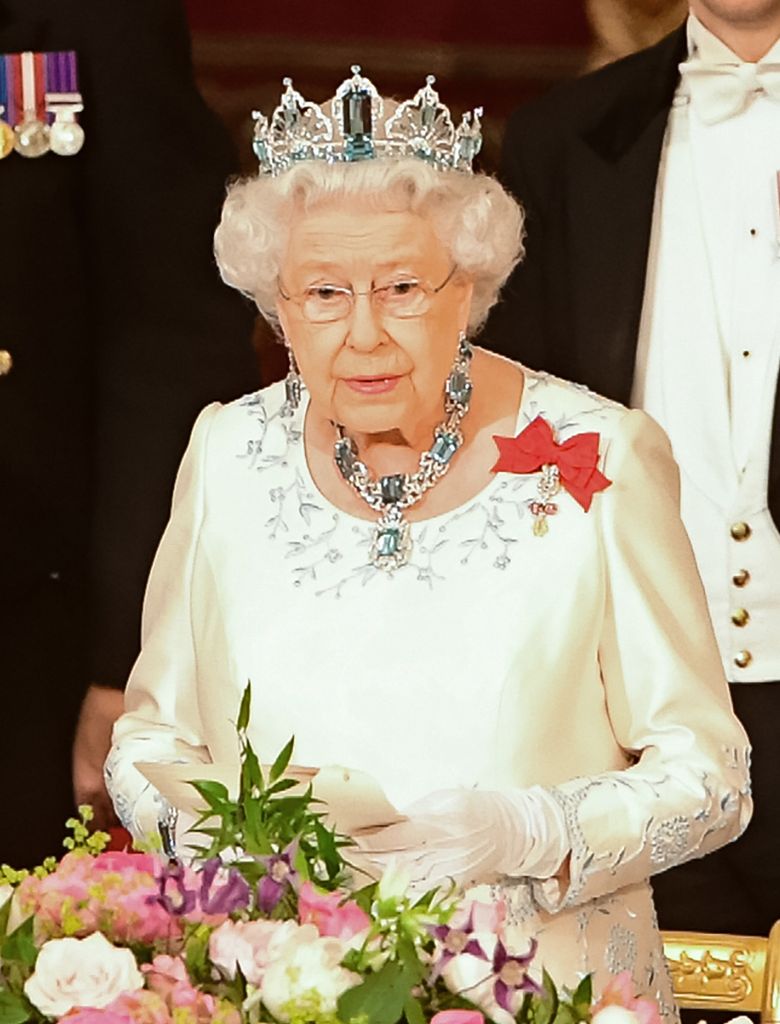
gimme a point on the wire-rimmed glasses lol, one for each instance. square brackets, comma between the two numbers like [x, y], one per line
[399, 299]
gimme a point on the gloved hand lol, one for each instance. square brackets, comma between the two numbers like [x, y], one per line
[470, 836]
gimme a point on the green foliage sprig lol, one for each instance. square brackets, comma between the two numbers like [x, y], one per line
[266, 818]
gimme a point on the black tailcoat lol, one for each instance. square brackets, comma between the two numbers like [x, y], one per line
[584, 160]
[119, 330]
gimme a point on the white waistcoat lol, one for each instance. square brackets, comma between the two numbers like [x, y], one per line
[694, 334]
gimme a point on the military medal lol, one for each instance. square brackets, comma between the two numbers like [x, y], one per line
[32, 133]
[6, 136]
[63, 100]
[6, 131]
[39, 99]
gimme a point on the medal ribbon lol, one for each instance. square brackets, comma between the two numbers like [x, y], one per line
[30, 81]
[576, 459]
[13, 80]
[61, 78]
[33, 86]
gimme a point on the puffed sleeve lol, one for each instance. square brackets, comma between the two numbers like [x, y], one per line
[161, 721]
[688, 792]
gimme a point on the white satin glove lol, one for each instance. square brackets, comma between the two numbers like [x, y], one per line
[470, 836]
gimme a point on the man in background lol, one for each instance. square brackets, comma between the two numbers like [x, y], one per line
[115, 331]
[652, 275]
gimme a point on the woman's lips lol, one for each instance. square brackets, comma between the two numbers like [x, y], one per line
[374, 385]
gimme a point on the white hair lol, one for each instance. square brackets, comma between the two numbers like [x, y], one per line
[475, 219]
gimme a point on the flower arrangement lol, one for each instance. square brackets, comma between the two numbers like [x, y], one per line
[263, 927]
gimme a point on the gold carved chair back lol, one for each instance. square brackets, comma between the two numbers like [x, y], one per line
[726, 972]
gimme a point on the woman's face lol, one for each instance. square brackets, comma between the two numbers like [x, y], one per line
[372, 370]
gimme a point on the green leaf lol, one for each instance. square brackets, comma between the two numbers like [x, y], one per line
[14, 1009]
[326, 842]
[413, 1011]
[255, 835]
[251, 774]
[279, 766]
[566, 1014]
[196, 953]
[19, 945]
[214, 793]
[583, 995]
[381, 998]
[281, 786]
[5, 912]
[410, 958]
[545, 1007]
[365, 897]
[243, 712]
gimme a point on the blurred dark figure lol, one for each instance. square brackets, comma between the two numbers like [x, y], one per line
[115, 330]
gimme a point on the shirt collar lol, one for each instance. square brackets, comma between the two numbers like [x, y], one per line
[707, 47]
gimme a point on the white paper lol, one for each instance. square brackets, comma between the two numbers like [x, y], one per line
[353, 800]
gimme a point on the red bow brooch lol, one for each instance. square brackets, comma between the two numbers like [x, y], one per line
[571, 465]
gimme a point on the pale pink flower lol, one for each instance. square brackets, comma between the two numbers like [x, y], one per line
[91, 1015]
[142, 1007]
[619, 995]
[307, 968]
[458, 1017]
[332, 914]
[114, 893]
[123, 862]
[168, 977]
[250, 945]
[485, 917]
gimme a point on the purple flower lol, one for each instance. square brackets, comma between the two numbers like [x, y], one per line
[279, 874]
[455, 941]
[511, 976]
[183, 900]
[224, 899]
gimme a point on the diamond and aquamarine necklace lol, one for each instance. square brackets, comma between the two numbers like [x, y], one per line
[391, 544]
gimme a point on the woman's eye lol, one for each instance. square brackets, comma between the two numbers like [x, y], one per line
[324, 292]
[403, 287]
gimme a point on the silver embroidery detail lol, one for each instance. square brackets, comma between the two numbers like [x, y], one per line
[620, 954]
[669, 840]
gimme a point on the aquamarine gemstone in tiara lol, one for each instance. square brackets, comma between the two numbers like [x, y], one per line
[352, 126]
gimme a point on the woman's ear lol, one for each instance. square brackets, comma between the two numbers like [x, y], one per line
[465, 308]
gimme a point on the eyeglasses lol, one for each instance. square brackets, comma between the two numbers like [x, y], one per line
[400, 299]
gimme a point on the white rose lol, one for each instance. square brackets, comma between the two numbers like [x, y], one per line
[6, 892]
[81, 972]
[307, 971]
[615, 1015]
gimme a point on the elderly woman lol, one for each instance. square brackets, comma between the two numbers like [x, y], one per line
[459, 575]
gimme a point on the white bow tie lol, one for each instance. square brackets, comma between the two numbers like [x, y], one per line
[719, 91]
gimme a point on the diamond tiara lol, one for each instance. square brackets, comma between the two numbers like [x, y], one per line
[352, 127]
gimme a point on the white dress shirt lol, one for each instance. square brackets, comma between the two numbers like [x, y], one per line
[709, 348]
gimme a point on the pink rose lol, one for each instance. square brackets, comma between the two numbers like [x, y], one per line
[331, 913]
[619, 992]
[91, 1015]
[123, 862]
[458, 1017]
[168, 977]
[140, 1007]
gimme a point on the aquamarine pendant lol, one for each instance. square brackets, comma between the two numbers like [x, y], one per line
[391, 545]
